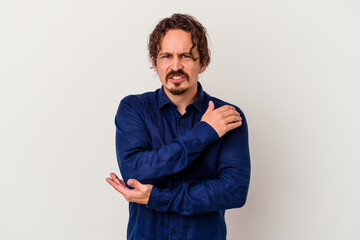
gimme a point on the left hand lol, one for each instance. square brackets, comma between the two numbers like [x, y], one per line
[140, 193]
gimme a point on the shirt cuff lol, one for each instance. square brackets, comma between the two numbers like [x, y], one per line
[159, 199]
[199, 137]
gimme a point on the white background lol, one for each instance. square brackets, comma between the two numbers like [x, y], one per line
[293, 67]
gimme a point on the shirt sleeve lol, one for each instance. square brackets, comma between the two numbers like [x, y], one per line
[135, 157]
[229, 190]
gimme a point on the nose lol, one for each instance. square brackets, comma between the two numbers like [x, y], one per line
[176, 64]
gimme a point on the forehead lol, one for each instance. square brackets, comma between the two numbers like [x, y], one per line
[176, 40]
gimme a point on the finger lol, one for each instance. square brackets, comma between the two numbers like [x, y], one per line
[115, 185]
[122, 182]
[112, 182]
[232, 118]
[126, 192]
[210, 108]
[230, 112]
[135, 184]
[115, 178]
[233, 125]
[225, 108]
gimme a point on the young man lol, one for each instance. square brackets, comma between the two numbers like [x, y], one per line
[183, 154]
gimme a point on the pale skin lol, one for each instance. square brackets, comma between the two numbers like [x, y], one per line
[174, 56]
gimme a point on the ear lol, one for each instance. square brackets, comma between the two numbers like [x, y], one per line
[154, 64]
[202, 68]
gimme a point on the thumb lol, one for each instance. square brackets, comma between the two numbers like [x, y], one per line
[211, 107]
[134, 183]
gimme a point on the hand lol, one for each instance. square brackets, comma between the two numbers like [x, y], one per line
[140, 193]
[222, 119]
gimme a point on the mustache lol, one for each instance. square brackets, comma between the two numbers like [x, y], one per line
[178, 72]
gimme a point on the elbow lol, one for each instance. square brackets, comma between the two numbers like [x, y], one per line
[240, 202]
[240, 196]
[237, 202]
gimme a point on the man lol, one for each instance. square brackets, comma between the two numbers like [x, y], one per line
[182, 153]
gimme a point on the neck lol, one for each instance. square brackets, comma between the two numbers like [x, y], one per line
[183, 100]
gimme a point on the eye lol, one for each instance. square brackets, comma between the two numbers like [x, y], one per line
[165, 56]
[186, 56]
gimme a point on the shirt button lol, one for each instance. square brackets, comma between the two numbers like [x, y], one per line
[181, 121]
[172, 233]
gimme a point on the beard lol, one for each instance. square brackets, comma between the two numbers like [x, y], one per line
[177, 90]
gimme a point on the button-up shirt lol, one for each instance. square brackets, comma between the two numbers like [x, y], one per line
[196, 175]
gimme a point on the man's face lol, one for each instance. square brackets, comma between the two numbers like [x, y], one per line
[175, 64]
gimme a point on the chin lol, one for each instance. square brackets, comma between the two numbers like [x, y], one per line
[177, 91]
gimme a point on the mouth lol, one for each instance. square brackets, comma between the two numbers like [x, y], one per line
[177, 78]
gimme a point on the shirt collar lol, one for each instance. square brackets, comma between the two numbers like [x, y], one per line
[200, 102]
[162, 98]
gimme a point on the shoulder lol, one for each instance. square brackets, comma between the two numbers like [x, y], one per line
[141, 98]
[241, 131]
[139, 101]
[219, 103]
[137, 104]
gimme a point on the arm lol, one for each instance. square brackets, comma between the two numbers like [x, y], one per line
[137, 160]
[229, 190]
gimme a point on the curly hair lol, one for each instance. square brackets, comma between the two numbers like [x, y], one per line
[183, 22]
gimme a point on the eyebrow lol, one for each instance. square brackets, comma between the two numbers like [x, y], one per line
[181, 54]
[167, 53]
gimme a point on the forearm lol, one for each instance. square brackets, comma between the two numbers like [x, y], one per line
[136, 137]
[150, 166]
[137, 158]
[229, 191]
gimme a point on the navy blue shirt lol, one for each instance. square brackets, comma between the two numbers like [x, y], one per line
[196, 175]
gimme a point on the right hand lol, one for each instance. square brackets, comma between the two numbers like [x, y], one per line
[222, 119]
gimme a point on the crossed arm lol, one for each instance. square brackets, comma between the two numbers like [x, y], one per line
[228, 191]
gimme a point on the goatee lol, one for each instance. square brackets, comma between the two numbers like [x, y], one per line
[178, 91]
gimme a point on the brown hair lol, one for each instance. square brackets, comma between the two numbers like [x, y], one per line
[183, 22]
